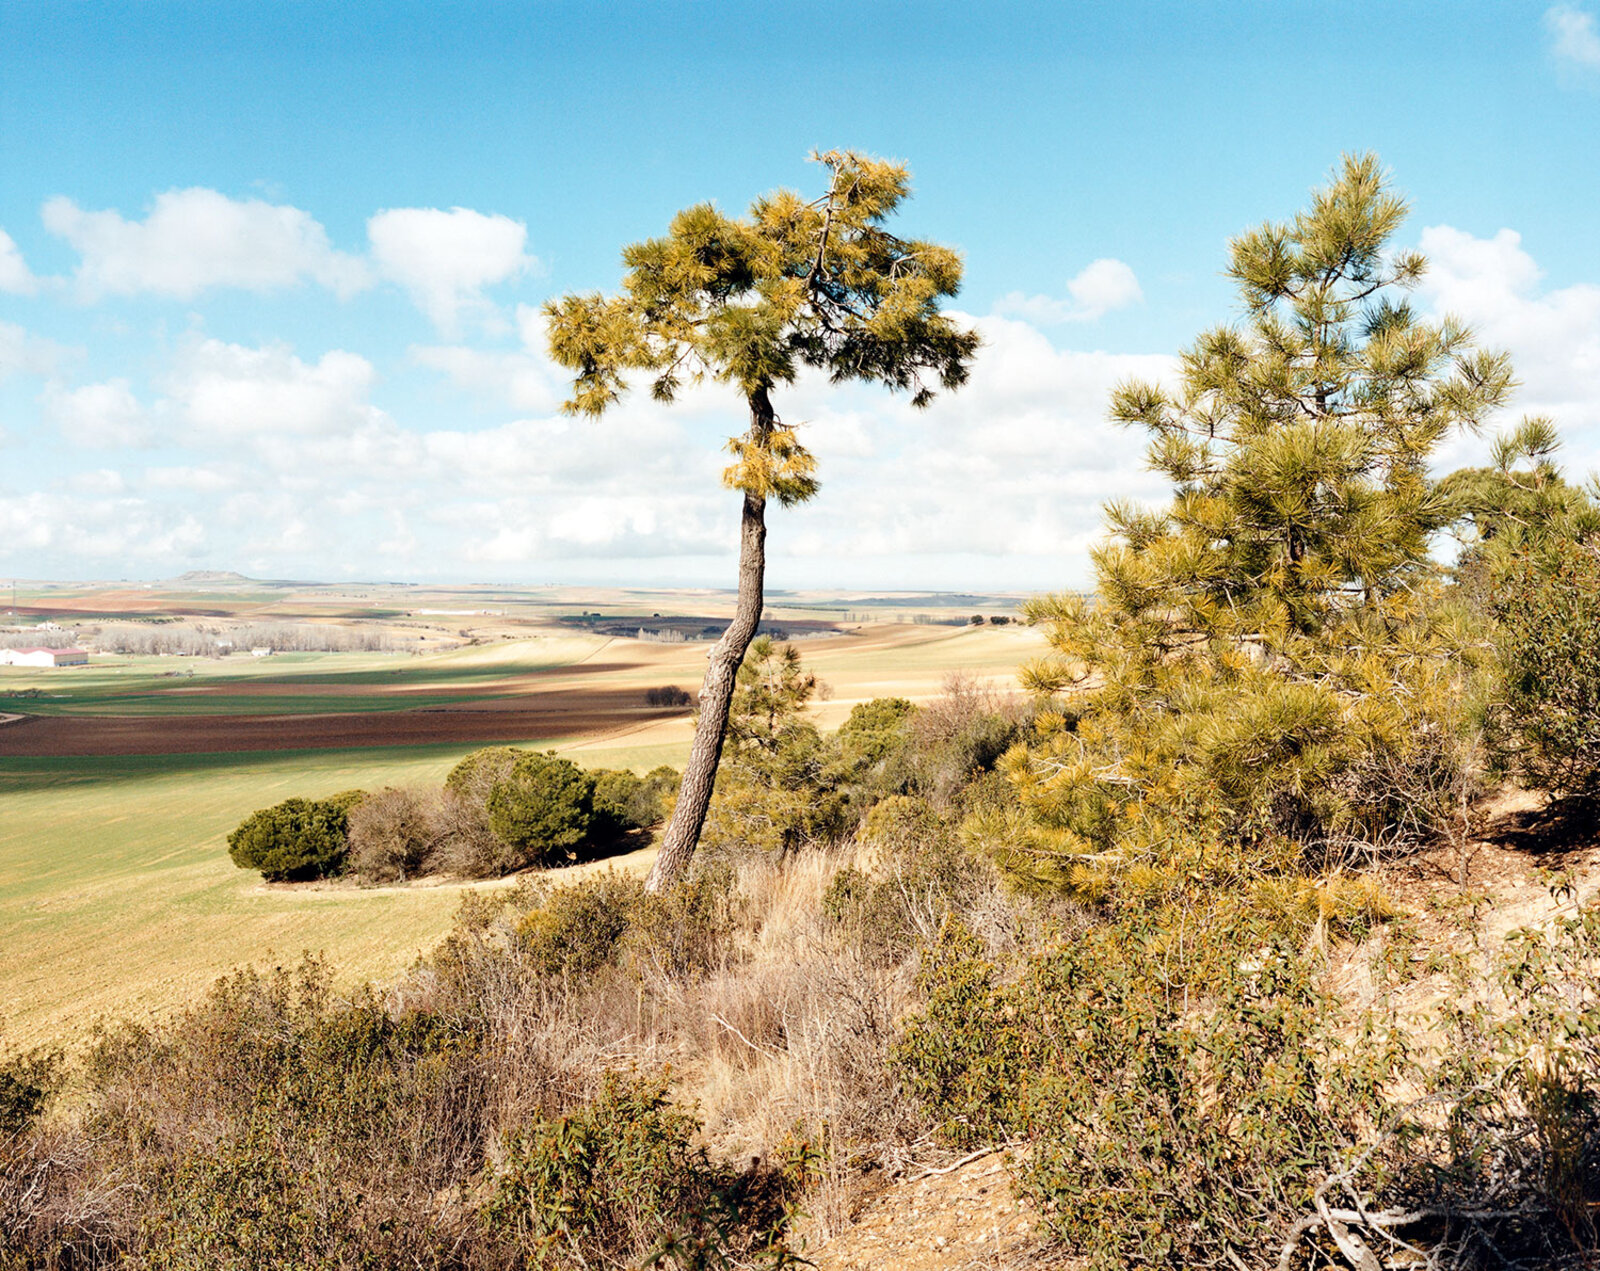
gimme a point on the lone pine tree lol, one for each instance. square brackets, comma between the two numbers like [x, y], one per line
[751, 302]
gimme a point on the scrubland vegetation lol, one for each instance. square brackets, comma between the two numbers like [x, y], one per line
[1095, 922]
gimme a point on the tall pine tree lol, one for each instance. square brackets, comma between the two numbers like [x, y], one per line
[751, 302]
[1267, 663]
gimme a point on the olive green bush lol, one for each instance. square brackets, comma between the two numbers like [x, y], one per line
[621, 1179]
[624, 801]
[296, 840]
[541, 808]
[1547, 724]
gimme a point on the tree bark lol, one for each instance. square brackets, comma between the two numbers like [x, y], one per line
[716, 691]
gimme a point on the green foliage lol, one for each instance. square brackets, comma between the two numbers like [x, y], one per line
[775, 789]
[577, 929]
[621, 1177]
[541, 808]
[875, 731]
[1269, 675]
[271, 1125]
[752, 301]
[1548, 723]
[295, 840]
[689, 931]
[624, 801]
[1166, 1130]
[1504, 512]
[916, 874]
[476, 775]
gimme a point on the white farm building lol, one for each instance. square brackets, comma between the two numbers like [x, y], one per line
[43, 657]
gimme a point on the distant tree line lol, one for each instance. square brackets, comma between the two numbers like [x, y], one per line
[205, 640]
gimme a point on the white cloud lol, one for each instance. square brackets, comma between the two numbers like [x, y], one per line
[15, 276]
[100, 481]
[1099, 288]
[292, 467]
[225, 391]
[519, 380]
[1553, 335]
[196, 479]
[446, 259]
[97, 529]
[22, 353]
[1573, 38]
[196, 239]
[98, 415]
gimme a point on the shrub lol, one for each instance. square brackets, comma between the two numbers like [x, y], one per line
[620, 1181]
[1548, 725]
[393, 835]
[466, 845]
[541, 808]
[875, 731]
[297, 840]
[920, 874]
[776, 788]
[960, 735]
[624, 801]
[476, 775]
[577, 929]
[667, 695]
[1165, 1131]
[26, 1084]
[690, 929]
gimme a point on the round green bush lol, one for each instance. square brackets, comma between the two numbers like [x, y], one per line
[541, 808]
[297, 840]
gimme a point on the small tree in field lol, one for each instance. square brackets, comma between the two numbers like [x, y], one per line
[296, 840]
[541, 808]
[751, 302]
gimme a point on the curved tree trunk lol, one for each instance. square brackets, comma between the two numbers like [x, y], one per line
[716, 692]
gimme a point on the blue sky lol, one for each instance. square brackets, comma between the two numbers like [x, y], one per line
[268, 295]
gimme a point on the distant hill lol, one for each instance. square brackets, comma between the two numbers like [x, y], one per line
[212, 576]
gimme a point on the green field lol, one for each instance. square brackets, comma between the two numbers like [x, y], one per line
[117, 896]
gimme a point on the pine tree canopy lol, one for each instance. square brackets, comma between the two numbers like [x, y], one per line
[1297, 440]
[753, 300]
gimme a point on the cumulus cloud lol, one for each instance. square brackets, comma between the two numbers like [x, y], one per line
[98, 416]
[196, 239]
[227, 391]
[1099, 288]
[1553, 334]
[1574, 41]
[1018, 463]
[97, 529]
[445, 259]
[15, 276]
[293, 466]
[22, 353]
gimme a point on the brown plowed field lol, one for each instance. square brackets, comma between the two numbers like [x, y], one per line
[557, 713]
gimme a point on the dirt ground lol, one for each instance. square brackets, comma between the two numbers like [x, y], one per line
[961, 1218]
[553, 713]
